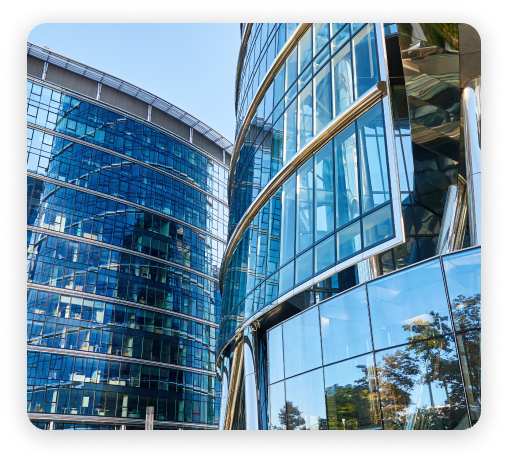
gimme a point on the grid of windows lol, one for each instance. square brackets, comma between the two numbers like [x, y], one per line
[400, 352]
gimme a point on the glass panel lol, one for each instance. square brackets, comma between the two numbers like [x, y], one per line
[470, 356]
[336, 26]
[342, 79]
[288, 220]
[373, 165]
[321, 58]
[305, 203]
[339, 40]
[291, 68]
[279, 85]
[305, 114]
[322, 97]
[272, 288]
[305, 402]
[365, 60]
[304, 78]
[377, 226]
[464, 278]
[345, 328]
[349, 241]
[346, 166]
[420, 386]
[321, 36]
[286, 277]
[400, 165]
[277, 407]
[305, 51]
[302, 343]
[275, 357]
[290, 119]
[291, 94]
[304, 267]
[351, 395]
[325, 217]
[408, 155]
[325, 254]
[409, 306]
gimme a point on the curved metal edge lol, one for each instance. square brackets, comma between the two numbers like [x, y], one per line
[346, 117]
[288, 48]
[241, 57]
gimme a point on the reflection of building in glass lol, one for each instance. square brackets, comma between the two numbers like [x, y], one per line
[351, 278]
[127, 219]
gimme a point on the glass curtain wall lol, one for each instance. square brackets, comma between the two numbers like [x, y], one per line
[126, 231]
[399, 353]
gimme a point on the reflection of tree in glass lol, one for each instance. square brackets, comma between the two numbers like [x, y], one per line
[427, 361]
[294, 419]
[467, 311]
[353, 406]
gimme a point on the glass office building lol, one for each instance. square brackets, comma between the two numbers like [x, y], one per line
[127, 224]
[351, 280]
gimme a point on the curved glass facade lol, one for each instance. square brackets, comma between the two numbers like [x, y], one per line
[347, 168]
[126, 231]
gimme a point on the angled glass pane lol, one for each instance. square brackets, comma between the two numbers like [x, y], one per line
[290, 126]
[305, 51]
[409, 306]
[305, 402]
[321, 36]
[373, 162]
[345, 328]
[279, 85]
[305, 130]
[304, 267]
[420, 386]
[377, 226]
[342, 79]
[366, 72]
[464, 277]
[288, 213]
[291, 68]
[325, 216]
[351, 395]
[305, 206]
[324, 254]
[322, 98]
[340, 39]
[286, 277]
[346, 179]
[302, 343]
[349, 241]
[277, 399]
[275, 355]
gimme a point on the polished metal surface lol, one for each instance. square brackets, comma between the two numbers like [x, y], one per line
[224, 391]
[149, 419]
[341, 121]
[471, 111]
[452, 230]
[235, 386]
[241, 57]
[251, 380]
[284, 53]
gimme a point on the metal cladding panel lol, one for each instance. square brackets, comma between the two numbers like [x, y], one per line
[157, 117]
[140, 109]
[34, 66]
[71, 81]
[198, 139]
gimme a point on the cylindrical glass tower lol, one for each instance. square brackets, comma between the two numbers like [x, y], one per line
[127, 222]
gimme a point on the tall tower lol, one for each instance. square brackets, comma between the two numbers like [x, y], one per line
[127, 224]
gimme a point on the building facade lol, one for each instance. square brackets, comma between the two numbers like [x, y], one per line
[351, 278]
[127, 223]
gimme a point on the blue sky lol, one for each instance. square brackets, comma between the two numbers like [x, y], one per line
[192, 66]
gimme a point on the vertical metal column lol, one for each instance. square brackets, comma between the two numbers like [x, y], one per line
[149, 419]
[251, 380]
[451, 235]
[471, 112]
[51, 425]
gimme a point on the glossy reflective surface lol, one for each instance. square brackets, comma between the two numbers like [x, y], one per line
[422, 374]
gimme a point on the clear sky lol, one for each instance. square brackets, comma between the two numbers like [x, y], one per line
[192, 66]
